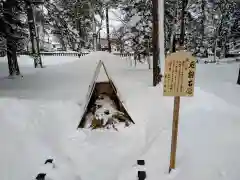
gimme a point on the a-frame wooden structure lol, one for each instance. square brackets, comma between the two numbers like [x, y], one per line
[102, 87]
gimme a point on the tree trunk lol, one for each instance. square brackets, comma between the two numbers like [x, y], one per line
[108, 35]
[99, 38]
[33, 36]
[238, 81]
[10, 40]
[161, 36]
[224, 48]
[148, 55]
[173, 45]
[182, 34]
[155, 44]
[93, 26]
[203, 21]
[12, 58]
[79, 34]
[226, 43]
[173, 30]
[218, 30]
[135, 58]
[121, 46]
[215, 51]
[31, 28]
[61, 39]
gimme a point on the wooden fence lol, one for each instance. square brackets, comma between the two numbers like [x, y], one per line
[126, 54]
[72, 54]
[79, 54]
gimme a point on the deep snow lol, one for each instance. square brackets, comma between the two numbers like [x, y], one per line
[40, 114]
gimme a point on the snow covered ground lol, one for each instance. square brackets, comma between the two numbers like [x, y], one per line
[40, 113]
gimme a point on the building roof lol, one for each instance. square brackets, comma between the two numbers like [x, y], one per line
[104, 41]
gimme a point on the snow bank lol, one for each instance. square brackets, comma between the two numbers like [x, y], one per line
[35, 131]
[63, 79]
[25, 60]
[208, 134]
[207, 143]
[104, 155]
[220, 80]
[208, 138]
[26, 63]
[45, 125]
[42, 110]
[32, 132]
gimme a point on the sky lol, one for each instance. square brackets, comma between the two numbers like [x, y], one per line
[114, 22]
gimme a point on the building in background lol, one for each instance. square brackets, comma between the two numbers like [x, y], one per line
[104, 44]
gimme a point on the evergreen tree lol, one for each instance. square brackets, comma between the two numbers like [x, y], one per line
[12, 30]
[207, 22]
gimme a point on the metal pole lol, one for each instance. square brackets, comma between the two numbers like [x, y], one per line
[33, 35]
[94, 27]
[38, 57]
[173, 35]
[108, 36]
[161, 34]
[182, 35]
[155, 43]
[238, 81]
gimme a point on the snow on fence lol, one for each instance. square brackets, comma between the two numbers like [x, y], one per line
[57, 53]
[126, 54]
[210, 60]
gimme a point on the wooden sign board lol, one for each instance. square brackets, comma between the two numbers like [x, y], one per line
[179, 76]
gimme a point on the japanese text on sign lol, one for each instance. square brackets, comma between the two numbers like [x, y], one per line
[179, 76]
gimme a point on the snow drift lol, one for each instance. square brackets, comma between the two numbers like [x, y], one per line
[36, 128]
[40, 114]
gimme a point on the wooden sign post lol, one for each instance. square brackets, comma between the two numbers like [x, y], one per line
[179, 79]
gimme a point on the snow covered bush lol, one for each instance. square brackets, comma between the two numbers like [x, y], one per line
[104, 114]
